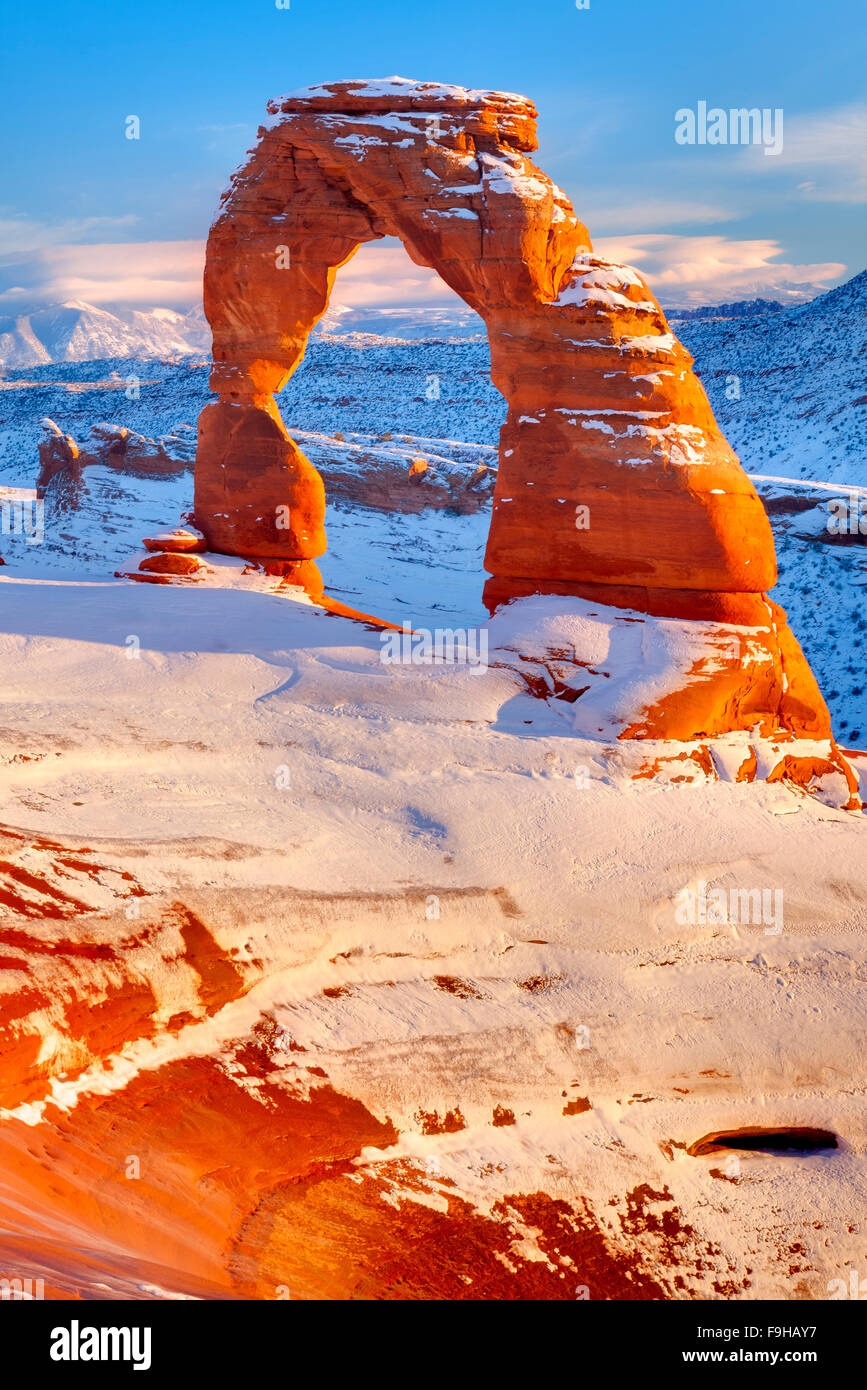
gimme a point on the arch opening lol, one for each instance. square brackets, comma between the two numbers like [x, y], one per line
[394, 407]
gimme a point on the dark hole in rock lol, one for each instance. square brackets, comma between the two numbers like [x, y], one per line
[571, 694]
[786, 1139]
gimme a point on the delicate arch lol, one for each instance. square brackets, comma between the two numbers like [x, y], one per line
[604, 412]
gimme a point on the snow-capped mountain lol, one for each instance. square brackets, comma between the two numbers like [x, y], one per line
[80, 332]
[756, 298]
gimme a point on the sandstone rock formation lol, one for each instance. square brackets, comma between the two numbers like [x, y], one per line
[440, 167]
[171, 555]
[181, 541]
[171, 562]
[57, 451]
[113, 446]
[403, 474]
[614, 482]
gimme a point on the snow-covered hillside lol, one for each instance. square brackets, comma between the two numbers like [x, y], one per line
[790, 389]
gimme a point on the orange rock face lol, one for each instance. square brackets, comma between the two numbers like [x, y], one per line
[255, 491]
[612, 468]
[181, 541]
[172, 562]
[111, 446]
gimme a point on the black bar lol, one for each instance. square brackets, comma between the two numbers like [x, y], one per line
[211, 1337]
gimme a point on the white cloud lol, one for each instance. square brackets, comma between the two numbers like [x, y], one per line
[149, 273]
[169, 273]
[686, 270]
[829, 148]
[681, 270]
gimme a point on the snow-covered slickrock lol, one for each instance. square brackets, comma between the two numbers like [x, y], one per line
[422, 1018]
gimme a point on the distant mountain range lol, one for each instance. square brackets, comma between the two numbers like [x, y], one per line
[738, 309]
[81, 332]
[451, 321]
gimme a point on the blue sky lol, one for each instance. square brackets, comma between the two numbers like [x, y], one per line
[607, 81]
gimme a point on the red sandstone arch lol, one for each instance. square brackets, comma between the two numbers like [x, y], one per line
[604, 409]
